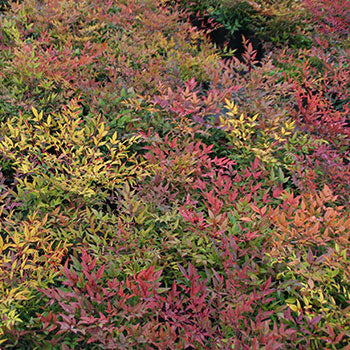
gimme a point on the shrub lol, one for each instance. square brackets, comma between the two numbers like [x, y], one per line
[66, 158]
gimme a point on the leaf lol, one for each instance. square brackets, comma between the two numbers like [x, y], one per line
[310, 256]
[246, 219]
[330, 331]
[35, 112]
[100, 271]
[293, 307]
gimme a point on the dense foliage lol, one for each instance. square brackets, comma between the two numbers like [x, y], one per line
[158, 191]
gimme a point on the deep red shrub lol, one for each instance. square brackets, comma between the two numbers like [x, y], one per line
[93, 309]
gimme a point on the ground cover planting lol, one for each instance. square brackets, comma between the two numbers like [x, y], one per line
[175, 174]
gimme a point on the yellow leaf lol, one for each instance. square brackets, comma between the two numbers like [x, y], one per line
[114, 138]
[293, 307]
[321, 298]
[229, 104]
[35, 112]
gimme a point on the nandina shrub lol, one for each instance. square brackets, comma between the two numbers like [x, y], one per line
[64, 165]
[90, 52]
[248, 229]
[248, 140]
[179, 166]
[320, 109]
[66, 158]
[177, 111]
[30, 48]
[91, 310]
[317, 112]
[324, 166]
[184, 111]
[107, 313]
[128, 312]
[321, 90]
[277, 142]
[188, 105]
[30, 258]
[332, 17]
[310, 244]
[260, 87]
[234, 202]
